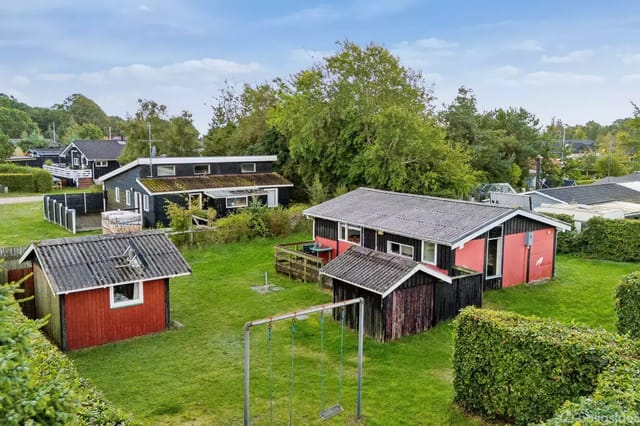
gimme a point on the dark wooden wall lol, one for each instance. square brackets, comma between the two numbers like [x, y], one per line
[374, 321]
[450, 298]
[326, 229]
[408, 311]
[519, 224]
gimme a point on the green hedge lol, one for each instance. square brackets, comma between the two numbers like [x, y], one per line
[522, 369]
[628, 305]
[38, 384]
[25, 179]
[17, 182]
[610, 239]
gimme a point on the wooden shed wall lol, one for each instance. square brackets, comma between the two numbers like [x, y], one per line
[90, 320]
[408, 311]
[374, 325]
[450, 298]
[47, 303]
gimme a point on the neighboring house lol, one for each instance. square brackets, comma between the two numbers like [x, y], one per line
[461, 246]
[104, 288]
[42, 155]
[632, 180]
[584, 194]
[223, 183]
[83, 162]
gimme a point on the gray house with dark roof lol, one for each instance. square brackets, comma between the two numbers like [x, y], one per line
[585, 194]
[104, 288]
[223, 183]
[84, 161]
[458, 244]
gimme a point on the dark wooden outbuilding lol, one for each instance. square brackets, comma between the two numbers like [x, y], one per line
[402, 297]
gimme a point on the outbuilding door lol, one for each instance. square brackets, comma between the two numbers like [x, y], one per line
[272, 197]
[411, 311]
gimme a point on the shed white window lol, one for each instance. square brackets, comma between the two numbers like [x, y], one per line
[101, 163]
[234, 202]
[400, 249]
[126, 295]
[429, 252]
[166, 170]
[201, 169]
[117, 190]
[127, 197]
[349, 233]
[145, 202]
[248, 167]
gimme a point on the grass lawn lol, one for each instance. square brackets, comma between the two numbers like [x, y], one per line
[22, 223]
[194, 375]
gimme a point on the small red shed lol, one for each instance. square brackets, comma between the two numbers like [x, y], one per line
[104, 288]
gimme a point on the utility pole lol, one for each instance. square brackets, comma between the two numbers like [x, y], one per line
[54, 133]
[150, 156]
[610, 148]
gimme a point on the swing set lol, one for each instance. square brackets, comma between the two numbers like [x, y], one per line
[325, 412]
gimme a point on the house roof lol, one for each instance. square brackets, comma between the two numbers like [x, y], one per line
[172, 184]
[592, 194]
[187, 160]
[441, 220]
[97, 150]
[375, 271]
[631, 177]
[84, 263]
[45, 151]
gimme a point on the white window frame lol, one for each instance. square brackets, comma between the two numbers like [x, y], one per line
[117, 191]
[208, 166]
[343, 233]
[166, 170]
[138, 295]
[252, 166]
[435, 253]
[127, 197]
[408, 250]
[145, 202]
[246, 201]
[75, 161]
[136, 201]
[499, 248]
[101, 163]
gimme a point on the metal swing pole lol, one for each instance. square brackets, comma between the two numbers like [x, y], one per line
[247, 338]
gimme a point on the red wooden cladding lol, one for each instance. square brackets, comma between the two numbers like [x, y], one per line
[514, 264]
[90, 320]
[471, 256]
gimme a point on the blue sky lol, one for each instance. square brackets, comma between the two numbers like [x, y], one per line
[574, 60]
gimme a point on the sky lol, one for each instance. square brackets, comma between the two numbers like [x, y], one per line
[575, 60]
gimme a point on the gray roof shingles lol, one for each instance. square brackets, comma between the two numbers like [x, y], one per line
[100, 150]
[631, 177]
[369, 269]
[75, 264]
[593, 194]
[435, 219]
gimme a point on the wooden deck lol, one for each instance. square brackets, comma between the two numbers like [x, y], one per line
[291, 260]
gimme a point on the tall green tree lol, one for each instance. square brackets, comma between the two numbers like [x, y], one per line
[181, 138]
[86, 131]
[6, 147]
[15, 123]
[84, 111]
[151, 119]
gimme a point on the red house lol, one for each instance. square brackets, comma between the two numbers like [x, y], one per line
[104, 288]
[508, 246]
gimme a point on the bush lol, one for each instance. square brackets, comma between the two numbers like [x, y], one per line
[628, 305]
[278, 222]
[522, 369]
[610, 239]
[17, 182]
[42, 180]
[38, 384]
[234, 228]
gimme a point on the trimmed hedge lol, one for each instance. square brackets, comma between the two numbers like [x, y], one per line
[628, 305]
[17, 182]
[522, 369]
[25, 179]
[38, 384]
[610, 239]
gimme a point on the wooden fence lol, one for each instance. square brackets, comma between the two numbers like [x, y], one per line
[63, 209]
[290, 260]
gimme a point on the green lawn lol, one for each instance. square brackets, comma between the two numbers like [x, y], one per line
[22, 223]
[194, 375]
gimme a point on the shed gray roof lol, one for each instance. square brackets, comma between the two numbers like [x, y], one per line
[593, 194]
[97, 150]
[631, 177]
[373, 270]
[82, 263]
[440, 220]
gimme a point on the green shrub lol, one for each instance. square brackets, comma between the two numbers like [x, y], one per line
[522, 369]
[628, 305]
[17, 182]
[278, 221]
[42, 180]
[38, 384]
[234, 228]
[611, 239]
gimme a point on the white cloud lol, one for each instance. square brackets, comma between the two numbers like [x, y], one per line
[435, 43]
[548, 78]
[507, 71]
[529, 45]
[570, 58]
[630, 78]
[630, 58]
[144, 8]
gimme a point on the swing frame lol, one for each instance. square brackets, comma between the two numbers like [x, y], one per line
[293, 315]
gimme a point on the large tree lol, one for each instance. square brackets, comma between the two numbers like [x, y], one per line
[16, 123]
[6, 147]
[360, 118]
[84, 110]
[181, 138]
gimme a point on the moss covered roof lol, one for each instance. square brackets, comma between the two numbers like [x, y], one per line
[195, 183]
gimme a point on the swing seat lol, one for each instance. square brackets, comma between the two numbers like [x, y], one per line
[332, 411]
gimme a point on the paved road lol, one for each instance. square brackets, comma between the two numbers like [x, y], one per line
[17, 200]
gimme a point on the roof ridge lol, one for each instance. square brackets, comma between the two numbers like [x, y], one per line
[99, 237]
[432, 197]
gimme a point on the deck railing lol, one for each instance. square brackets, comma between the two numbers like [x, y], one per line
[63, 172]
[291, 260]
